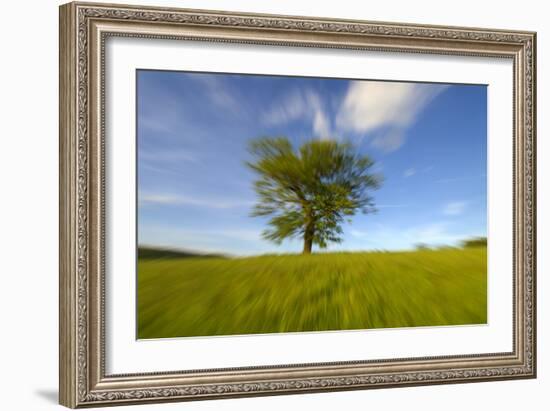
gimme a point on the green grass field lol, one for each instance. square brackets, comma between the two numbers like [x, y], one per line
[194, 296]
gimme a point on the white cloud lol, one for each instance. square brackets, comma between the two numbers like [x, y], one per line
[370, 105]
[385, 108]
[399, 238]
[291, 108]
[301, 105]
[163, 156]
[218, 93]
[321, 124]
[360, 233]
[430, 233]
[389, 141]
[454, 208]
[236, 241]
[170, 199]
[409, 172]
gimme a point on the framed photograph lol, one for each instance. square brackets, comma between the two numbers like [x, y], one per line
[259, 204]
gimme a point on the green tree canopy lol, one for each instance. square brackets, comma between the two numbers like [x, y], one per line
[309, 191]
[475, 242]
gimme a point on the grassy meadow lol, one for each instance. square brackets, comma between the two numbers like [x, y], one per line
[186, 295]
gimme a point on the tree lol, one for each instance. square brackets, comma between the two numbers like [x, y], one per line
[475, 242]
[309, 192]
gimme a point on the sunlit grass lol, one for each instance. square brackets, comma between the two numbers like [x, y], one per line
[181, 297]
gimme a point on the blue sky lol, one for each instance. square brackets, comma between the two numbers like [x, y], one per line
[194, 191]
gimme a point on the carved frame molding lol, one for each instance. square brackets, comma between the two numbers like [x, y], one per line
[84, 28]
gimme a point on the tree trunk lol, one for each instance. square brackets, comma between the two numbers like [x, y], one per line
[308, 237]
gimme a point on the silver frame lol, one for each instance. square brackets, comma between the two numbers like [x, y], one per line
[84, 28]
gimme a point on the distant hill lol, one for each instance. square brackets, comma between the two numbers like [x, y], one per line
[158, 252]
[475, 242]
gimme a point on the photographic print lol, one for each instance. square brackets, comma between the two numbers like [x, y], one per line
[276, 204]
[259, 204]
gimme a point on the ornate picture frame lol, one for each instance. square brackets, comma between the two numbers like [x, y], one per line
[84, 29]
